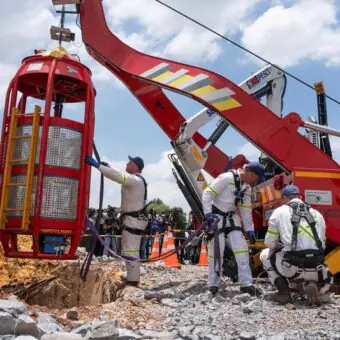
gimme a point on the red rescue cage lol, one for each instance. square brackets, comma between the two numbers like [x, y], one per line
[44, 179]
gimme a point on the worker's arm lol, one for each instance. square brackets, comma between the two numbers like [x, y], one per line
[322, 223]
[246, 211]
[121, 177]
[272, 239]
[213, 190]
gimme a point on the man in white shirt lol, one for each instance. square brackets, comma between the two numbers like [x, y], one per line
[133, 197]
[296, 239]
[228, 197]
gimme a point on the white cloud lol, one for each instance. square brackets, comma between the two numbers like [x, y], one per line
[7, 71]
[161, 184]
[249, 151]
[305, 29]
[168, 34]
[29, 28]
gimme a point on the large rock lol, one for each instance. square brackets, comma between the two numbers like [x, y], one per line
[254, 306]
[247, 336]
[185, 332]
[25, 337]
[210, 337]
[61, 336]
[13, 307]
[82, 330]
[47, 324]
[104, 331]
[7, 323]
[242, 297]
[26, 326]
[165, 335]
[125, 334]
[170, 303]
[73, 314]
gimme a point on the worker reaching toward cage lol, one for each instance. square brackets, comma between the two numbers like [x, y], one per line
[296, 239]
[134, 217]
[228, 198]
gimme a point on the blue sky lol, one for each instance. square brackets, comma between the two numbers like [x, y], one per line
[302, 36]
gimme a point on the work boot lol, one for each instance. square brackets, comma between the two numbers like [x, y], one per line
[283, 296]
[313, 294]
[213, 290]
[251, 290]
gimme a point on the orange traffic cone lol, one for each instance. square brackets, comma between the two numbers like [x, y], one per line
[172, 261]
[203, 262]
[155, 249]
[164, 244]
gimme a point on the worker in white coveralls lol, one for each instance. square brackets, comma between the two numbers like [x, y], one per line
[228, 197]
[133, 198]
[296, 239]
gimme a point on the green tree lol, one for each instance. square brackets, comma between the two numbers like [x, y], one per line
[158, 206]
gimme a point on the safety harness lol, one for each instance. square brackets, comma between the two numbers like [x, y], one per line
[229, 262]
[140, 214]
[239, 195]
[305, 260]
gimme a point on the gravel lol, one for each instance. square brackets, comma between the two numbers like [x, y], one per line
[174, 304]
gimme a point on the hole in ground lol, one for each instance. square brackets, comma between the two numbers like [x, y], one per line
[66, 289]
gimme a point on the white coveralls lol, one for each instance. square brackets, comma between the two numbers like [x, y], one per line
[221, 193]
[132, 199]
[280, 230]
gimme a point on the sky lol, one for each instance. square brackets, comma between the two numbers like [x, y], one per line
[301, 36]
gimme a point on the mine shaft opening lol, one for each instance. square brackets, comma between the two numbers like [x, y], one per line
[57, 284]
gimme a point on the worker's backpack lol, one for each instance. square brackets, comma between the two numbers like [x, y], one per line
[307, 258]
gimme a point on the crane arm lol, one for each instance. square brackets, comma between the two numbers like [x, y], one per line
[146, 76]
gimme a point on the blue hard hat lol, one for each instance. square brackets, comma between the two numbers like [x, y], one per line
[290, 190]
[138, 161]
[257, 169]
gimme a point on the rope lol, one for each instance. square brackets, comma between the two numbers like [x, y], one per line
[244, 49]
[87, 263]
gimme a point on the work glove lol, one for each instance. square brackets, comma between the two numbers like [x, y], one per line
[91, 161]
[252, 236]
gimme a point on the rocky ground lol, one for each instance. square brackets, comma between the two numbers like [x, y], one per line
[170, 304]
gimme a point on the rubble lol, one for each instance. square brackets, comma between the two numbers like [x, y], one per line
[169, 304]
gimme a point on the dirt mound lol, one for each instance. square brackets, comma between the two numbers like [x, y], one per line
[23, 271]
[67, 289]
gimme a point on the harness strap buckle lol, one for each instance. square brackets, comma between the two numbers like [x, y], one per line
[319, 267]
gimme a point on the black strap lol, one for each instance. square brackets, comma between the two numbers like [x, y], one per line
[272, 259]
[217, 211]
[226, 215]
[229, 230]
[134, 231]
[145, 187]
[239, 194]
[138, 213]
[300, 210]
[87, 262]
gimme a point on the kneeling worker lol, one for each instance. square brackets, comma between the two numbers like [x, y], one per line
[296, 241]
[133, 199]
